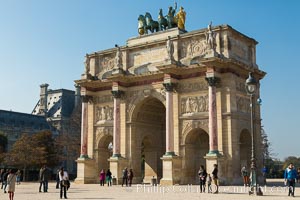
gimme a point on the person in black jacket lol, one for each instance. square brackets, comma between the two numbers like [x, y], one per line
[215, 177]
[202, 178]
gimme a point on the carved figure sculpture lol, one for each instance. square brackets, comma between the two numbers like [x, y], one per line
[118, 58]
[170, 17]
[180, 18]
[87, 64]
[151, 24]
[210, 37]
[170, 49]
[162, 21]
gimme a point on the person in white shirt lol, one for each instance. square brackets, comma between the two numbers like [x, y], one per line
[63, 178]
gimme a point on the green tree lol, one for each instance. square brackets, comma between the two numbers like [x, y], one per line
[25, 153]
[291, 159]
[44, 140]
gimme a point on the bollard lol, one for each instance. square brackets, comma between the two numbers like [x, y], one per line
[153, 181]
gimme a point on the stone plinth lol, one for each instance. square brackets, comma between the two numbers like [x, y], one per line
[85, 171]
[171, 170]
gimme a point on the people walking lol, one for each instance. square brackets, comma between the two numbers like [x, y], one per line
[63, 178]
[4, 177]
[11, 184]
[3, 171]
[290, 175]
[245, 175]
[102, 177]
[41, 178]
[202, 178]
[108, 177]
[18, 175]
[130, 177]
[57, 179]
[125, 177]
[215, 178]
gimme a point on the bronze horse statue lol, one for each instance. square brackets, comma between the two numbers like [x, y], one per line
[142, 25]
[171, 17]
[162, 21]
[151, 24]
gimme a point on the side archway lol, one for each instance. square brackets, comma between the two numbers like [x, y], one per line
[196, 146]
[104, 152]
[245, 148]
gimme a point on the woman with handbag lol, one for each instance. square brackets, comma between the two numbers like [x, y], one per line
[63, 178]
[11, 184]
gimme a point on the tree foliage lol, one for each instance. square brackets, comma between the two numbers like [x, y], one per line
[291, 159]
[32, 151]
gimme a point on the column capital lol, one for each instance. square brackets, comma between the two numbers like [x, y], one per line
[212, 81]
[117, 93]
[86, 98]
[169, 86]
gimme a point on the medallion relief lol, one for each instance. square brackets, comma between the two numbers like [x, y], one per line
[194, 47]
[106, 63]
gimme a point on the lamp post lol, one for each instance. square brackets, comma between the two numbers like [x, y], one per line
[250, 86]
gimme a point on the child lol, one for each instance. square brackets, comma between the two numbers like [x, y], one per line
[208, 180]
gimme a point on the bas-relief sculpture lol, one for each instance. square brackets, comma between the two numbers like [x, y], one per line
[103, 113]
[194, 104]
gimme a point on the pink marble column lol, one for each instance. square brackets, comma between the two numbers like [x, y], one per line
[84, 127]
[212, 109]
[169, 119]
[117, 123]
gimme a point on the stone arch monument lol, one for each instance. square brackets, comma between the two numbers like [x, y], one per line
[166, 117]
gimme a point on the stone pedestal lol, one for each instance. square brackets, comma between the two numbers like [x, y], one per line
[171, 170]
[215, 158]
[86, 171]
[116, 165]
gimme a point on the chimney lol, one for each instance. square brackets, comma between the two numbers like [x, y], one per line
[43, 99]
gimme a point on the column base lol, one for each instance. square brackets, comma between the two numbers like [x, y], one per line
[171, 170]
[84, 156]
[86, 171]
[116, 165]
[116, 155]
[171, 153]
[214, 157]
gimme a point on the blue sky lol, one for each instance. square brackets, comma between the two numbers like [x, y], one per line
[44, 41]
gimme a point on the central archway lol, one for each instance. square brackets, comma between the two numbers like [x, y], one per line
[149, 139]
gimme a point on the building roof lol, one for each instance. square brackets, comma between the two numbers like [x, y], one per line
[14, 120]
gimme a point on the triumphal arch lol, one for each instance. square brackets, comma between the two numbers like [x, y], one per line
[166, 103]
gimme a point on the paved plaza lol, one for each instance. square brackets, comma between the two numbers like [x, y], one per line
[29, 191]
